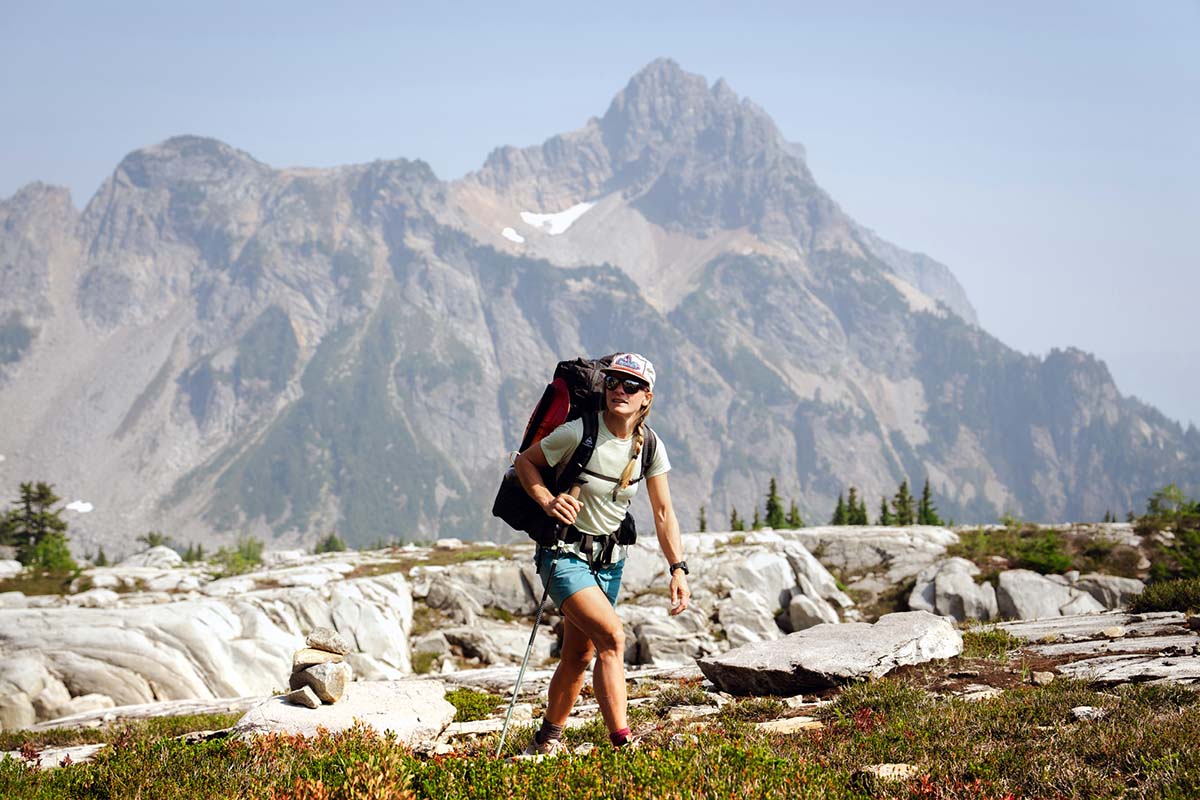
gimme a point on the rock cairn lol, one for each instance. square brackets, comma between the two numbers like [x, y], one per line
[319, 670]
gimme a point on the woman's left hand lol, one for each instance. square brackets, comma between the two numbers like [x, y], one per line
[680, 593]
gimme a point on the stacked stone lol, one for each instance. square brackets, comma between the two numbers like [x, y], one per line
[319, 671]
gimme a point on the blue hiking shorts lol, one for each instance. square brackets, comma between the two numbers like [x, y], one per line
[572, 573]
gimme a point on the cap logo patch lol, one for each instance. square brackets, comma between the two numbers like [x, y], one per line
[628, 361]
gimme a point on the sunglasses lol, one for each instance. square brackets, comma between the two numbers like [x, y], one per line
[628, 384]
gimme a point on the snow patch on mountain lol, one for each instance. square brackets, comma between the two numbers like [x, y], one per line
[512, 236]
[80, 506]
[555, 224]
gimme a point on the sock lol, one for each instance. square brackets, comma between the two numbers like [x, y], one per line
[619, 738]
[549, 731]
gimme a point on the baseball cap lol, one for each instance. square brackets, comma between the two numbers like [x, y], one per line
[632, 364]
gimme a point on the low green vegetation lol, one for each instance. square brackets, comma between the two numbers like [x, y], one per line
[1020, 545]
[422, 662]
[242, 557]
[681, 694]
[149, 728]
[471, 704]
[989, 643]
[1175, 554]
[1177, 595]
[1021, 743]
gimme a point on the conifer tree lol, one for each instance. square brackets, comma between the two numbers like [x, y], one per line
[757, 523]
[860, 516]
[885, 514]
[902, 504]
[926, 510]
[774, 508]
[100, 560]
[856, 510]
[794, 520]
[735, 522]
[703, 520]
[839, 513]
[37, 531]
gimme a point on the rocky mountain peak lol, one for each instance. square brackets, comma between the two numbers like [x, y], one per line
[194, 159]
[664, 111]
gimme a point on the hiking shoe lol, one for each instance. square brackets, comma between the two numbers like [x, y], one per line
[548, 748]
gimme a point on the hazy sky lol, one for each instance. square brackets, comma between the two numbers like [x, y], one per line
[1049, 153]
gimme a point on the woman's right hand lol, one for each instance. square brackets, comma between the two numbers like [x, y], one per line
[563, 508]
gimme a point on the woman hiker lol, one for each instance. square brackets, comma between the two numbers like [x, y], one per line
[586, 598]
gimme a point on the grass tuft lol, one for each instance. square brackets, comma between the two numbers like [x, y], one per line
[1177, 595]
[989, 643]
[471, 704]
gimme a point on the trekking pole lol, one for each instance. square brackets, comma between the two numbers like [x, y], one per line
[537, 620]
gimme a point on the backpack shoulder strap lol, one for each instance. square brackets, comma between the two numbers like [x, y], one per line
[649, 447]
[582, 454]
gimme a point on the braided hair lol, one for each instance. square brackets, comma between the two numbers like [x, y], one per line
[635, 449]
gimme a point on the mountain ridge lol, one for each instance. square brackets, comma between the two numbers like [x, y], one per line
[221, 347]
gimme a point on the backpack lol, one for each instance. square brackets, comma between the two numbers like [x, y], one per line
[576, 391]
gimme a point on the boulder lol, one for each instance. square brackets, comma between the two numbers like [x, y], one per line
[160, 557]
[451, 598]
[898, 552]
[210, 647]
[283, 558]
[948, 588]
[10, 568]
[52, 701]
[1081, 603]
[27, 685]
[509, 585]
[831, 655]
[1111, 591]
[1024, 594]
[765, 573]
[805, 612]
[813, 579]
[369, 668]
[87, 703]
[495, 642]
[94, 598]
[645, 569]
[663, 640]
[415, 710]
[746, 617]
[327, 680]
[309, 574]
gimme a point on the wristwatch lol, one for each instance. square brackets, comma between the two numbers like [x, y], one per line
[678, 565]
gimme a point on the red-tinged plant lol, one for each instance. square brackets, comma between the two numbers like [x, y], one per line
[29, 752]
[302, 789]
[866, 720]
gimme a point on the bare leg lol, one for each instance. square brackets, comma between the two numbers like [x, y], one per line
[577, 652]
[591, 612]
